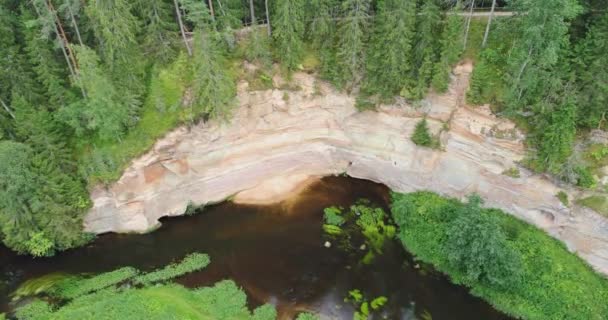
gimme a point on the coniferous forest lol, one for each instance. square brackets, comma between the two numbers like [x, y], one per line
[85, 86]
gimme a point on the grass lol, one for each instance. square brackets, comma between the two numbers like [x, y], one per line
[192, 262]
[597, 203]
[555, 284]
[476, 31]
[512, 172]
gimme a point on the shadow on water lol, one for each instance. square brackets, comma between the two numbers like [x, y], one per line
[276, 254]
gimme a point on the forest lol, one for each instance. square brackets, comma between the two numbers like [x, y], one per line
[88, 85]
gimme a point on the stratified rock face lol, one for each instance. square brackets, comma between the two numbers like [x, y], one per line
[276, 139]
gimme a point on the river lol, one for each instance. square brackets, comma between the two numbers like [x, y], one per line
[277, 254]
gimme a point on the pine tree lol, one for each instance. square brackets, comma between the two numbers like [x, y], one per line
[352, 30]
[450, 49]
[288, 31]
[389, 62]
[427, 47]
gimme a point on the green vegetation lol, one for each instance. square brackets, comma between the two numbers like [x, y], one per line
[597, 203]
[563, 197]
[74, 287]
[307, 316]
[332, 216]
[422, 135]
[371, 222]
[512, 172]
[364, 307]
[549, 78]
[192, 262]
[112, 295]
[514, 266]
[222, 301]
[585, 178]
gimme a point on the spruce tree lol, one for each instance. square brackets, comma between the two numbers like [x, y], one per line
[322, 34]
[592, 73]
[450, 49]
[352, 30]
[213, 87]
[159, 29]
[106, 111]
[116, 29]
[42, 57]
[37, 200]
[422, 135]
[288, 31]
[427, 47]
[389, 62]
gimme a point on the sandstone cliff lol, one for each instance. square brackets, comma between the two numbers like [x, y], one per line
[276, 139]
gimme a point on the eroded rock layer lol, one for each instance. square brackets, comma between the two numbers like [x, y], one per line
[277, 139]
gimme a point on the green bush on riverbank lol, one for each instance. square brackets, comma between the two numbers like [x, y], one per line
[549, 282]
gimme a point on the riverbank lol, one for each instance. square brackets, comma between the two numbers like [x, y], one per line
[306, 128]
[545, 281]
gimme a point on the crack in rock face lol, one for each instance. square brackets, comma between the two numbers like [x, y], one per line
[265, 153]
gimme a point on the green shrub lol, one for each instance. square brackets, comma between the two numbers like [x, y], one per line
[555, 284]
[563, 197]
[74, 287]
[585, 178]
[478, 248]
[192, 262]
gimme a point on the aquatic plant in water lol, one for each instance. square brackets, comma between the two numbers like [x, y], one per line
[364, 306]
[192, 262]
[368, 220]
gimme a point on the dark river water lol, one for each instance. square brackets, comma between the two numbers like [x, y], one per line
[277, 254]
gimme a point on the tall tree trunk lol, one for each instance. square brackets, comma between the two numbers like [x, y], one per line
[61, 33]
[485, 35]
[181, 27]
[252, 13]
[466, 32]
[268, 18]
[211, 9]
[61, 44]
[75, 25]
[7, 109]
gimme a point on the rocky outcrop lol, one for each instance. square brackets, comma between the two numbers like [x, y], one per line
[276, 139]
